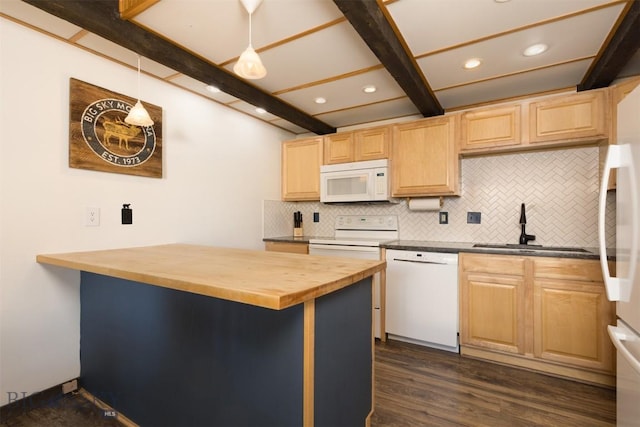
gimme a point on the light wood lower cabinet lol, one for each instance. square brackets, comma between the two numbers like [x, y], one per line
[547, 314]
[293, 248]
[494, 306]
[492, 299]
[571, 313]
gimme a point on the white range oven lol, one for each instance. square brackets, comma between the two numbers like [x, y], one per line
[359, 236]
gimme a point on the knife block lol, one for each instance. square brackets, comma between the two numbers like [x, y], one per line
[297, 231]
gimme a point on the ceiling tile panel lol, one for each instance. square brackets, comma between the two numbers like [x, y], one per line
[345, 92]
[126, 56]
[431, 25]
[219, 29]
[283, 124]
[251, 110]
[633, 66]
[199, 87]
[553, 78]
[39, 19]
[315, 57]
[503, 55]
[370, 113]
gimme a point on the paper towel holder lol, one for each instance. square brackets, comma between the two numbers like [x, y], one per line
[440, 199]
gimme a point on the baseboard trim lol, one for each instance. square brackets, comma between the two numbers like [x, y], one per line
[23, 403]
[106, 408]
[576, 374]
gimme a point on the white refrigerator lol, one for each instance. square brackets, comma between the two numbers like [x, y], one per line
[624, 286]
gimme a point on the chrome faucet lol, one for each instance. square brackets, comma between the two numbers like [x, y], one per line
[524, 237]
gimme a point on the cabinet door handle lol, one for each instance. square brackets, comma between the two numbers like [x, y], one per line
[422, 262]
[618, 335]
[619, 288]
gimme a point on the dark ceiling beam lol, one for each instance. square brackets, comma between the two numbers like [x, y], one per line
[102, 18]
[624, 43]
[370, 21]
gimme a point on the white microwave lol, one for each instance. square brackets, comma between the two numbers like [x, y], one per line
[355, 182]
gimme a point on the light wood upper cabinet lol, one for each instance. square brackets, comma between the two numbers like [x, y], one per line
[356, 146]
[549, 122]
[491, 127]
[301, 161]
[584, 115]
[618, 93]
[372, 144]
[424, 158]
[549, 314]
[339, 148]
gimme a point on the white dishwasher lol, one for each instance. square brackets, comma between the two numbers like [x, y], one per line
[422, 298]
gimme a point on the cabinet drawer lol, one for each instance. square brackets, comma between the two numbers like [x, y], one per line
[567, 269]
[495, 264]
[294, 248]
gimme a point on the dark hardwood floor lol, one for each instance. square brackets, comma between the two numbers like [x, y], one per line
[418, 386]
[70, 410]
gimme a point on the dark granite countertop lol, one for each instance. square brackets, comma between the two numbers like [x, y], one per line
[456, 247]
[288, 239]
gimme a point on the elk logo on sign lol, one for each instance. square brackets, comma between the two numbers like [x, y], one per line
[106, 142]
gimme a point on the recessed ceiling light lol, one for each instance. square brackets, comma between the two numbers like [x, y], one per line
[369, 89]
[212, 89]
[501, 1]
[472, 63]
[535, 49]
[320, 100]
[260, 110]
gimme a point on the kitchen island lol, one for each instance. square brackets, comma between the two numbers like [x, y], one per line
[194, 335]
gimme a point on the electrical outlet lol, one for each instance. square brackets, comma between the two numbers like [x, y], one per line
[92, 217]
[473, 217]
[444, 217]
[316, 217]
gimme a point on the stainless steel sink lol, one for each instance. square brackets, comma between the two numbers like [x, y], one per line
[529, 247]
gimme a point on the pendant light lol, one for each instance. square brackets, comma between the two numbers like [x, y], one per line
[138, 116]
[249, 65]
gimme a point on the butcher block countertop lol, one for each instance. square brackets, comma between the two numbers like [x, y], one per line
[272, 280]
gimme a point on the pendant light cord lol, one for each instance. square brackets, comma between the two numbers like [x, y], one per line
[138, 77]
[250, 44]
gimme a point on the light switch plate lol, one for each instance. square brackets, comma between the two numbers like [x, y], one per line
[444, 217]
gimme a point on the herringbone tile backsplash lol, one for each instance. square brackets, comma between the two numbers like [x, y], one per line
[559, 188]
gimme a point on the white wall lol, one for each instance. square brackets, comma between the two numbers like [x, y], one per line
[219, 165]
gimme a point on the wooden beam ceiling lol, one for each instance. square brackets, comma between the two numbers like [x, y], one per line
[102, 17]
[370, 21]
[624, 43]
[130, 8]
